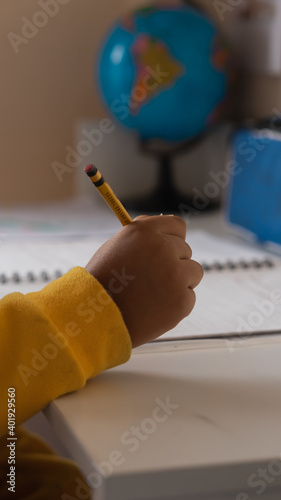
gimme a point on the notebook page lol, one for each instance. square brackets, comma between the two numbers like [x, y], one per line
[21, 258]
[226, 300]
[209, 249]
[23, 287]
[234, 303]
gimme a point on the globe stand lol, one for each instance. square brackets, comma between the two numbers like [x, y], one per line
[166, 198]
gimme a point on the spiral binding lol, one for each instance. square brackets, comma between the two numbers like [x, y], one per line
[30, 277]
[46, 276]
[242, 264]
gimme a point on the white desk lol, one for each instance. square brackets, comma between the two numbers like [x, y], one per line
[211, 447]
[226, 426]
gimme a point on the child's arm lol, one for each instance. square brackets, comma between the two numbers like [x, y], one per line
[52, 341]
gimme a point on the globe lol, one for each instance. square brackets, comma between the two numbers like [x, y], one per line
[164, 71]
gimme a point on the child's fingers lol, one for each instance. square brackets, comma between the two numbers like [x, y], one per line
[189, 303]
[194, 273]
[140, 217]
[179, 245]
[167, 224]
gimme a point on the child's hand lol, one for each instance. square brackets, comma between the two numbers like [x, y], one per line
[147, 269]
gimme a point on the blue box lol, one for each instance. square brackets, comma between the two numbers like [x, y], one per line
[254, 195]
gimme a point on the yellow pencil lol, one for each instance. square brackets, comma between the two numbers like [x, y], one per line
[108, 195]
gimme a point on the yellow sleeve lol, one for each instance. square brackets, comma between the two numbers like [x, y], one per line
[52, 341]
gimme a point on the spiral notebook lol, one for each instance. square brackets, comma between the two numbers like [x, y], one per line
[28, 267]
[239, 294]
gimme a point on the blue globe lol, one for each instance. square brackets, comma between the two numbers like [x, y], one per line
[165, 71]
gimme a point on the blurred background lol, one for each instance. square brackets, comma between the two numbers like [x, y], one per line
[48, 92]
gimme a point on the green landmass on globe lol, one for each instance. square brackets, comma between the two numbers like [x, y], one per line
[151, 55]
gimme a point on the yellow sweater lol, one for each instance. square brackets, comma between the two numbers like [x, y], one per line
[51, 342]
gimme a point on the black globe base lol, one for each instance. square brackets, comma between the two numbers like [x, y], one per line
[166, 199]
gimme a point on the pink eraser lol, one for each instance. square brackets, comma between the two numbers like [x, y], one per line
[89, 168]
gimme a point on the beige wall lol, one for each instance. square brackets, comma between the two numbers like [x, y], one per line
[44, 89]
[48, 85]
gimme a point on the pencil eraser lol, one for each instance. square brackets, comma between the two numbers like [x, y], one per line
[91, 170]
